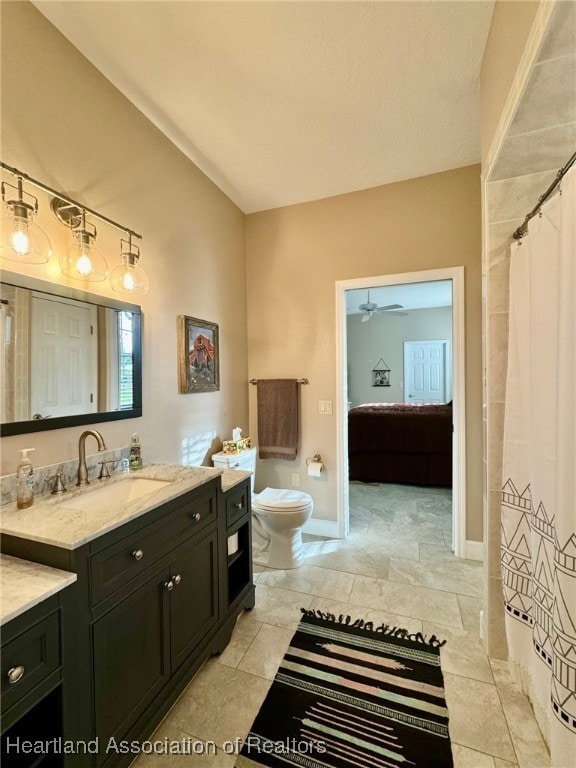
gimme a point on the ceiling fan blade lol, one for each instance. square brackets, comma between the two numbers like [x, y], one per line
[390, 306]
[365, 318]
[398, 314]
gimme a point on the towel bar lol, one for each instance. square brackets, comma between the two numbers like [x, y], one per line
[298, 381]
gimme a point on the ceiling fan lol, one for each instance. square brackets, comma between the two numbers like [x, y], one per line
[369, 308]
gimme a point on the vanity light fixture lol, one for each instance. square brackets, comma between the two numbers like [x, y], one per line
[22, 240]
[129, 278]
[82, 260]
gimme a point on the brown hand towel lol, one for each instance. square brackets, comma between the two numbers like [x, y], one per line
[277, 418]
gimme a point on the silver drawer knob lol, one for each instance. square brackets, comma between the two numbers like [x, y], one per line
[177, 579]
[197, 516]
[238, 506]
[169, 585]
[138, 554]
[15, 674]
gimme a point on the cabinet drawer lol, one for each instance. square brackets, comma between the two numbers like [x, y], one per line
[237, 504]
[29, 659]
[114, 566]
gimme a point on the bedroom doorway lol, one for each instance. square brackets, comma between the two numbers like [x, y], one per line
[349, 387]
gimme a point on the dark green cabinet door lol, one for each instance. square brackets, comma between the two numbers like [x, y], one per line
[194, 599]
[131, 663]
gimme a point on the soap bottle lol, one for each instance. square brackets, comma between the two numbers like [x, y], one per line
[25, 480]
[135, 453]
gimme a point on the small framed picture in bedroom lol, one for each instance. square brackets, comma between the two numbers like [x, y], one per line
[380, 378]
[198, 355]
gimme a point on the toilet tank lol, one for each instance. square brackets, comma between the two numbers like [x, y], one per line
[245, 460]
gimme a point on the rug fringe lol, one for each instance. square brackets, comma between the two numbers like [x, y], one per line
[384, 629]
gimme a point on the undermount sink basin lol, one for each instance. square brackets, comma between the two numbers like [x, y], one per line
[115, 494]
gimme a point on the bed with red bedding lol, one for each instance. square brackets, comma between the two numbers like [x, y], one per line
[401, 443]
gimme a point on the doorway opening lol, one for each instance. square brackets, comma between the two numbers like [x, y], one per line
[351, 388]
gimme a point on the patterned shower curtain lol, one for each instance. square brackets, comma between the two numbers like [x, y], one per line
[539, 471]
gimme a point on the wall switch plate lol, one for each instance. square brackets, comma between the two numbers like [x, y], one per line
[295, 479]
[325, 407]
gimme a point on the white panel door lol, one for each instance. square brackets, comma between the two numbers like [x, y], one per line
[425, 371]
[63, 351]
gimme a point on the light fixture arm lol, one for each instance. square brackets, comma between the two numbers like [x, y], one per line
[24, 176]
[133, 253]
[19, 205]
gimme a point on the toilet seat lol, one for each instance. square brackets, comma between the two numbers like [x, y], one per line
[281, 500]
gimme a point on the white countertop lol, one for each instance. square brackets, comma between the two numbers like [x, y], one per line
[232, 477]
[48, 522]
[24, 584]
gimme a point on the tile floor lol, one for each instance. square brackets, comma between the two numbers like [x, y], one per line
[395, 567]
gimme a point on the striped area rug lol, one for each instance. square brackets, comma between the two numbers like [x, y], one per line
[349, 695]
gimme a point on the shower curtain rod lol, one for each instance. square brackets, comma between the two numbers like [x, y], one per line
[523, 228]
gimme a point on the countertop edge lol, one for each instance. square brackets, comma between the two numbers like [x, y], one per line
[17, 569]
[13, 522]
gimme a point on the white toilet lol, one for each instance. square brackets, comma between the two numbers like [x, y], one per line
[278, 515]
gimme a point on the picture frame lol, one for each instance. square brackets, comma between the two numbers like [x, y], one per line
[198, 355]
[381, 374]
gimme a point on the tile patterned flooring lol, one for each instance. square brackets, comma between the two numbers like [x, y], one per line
[395, 567]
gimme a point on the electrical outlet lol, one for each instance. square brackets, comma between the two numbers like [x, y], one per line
[295, 479]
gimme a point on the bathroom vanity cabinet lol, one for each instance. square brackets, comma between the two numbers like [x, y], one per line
[145, 626]
[154, 598]
[239, 563]
[31, 686]
[31, 663]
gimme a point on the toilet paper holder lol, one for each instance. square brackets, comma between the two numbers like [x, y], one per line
[316, 459]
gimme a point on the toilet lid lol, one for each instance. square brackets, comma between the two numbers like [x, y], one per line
[281, 498]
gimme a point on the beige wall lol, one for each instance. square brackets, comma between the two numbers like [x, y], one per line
[511, 24]
[65, 124]
[295, 255]
[383, 336]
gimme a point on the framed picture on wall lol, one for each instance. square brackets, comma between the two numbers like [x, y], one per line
[381, 375]
[198, 355]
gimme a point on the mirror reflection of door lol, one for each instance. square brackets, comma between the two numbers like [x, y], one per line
[63, 357]
[425, 371]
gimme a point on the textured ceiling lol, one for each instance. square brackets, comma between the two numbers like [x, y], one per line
[284, 102]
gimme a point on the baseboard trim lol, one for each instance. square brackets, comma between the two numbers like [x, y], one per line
[327, 528]
[474, 550]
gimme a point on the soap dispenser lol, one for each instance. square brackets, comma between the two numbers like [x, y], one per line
[135, 460]
[25, 480]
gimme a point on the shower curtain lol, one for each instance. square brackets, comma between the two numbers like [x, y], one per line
[539, 471]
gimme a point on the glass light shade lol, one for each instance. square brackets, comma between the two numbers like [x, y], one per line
[129, 279]
[83, 261]
[22, 240]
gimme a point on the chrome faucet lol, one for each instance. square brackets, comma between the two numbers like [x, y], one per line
[82, 468]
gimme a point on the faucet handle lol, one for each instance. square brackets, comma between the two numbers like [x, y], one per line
[104, 471]
[57, 483]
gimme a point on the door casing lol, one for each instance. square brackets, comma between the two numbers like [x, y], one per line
[456, 275]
